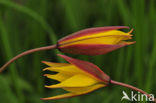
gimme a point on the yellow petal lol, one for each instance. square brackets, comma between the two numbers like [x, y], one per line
[75, 81]
[67, 95]
[83, 90]
[51, 64]
[75, 92]
[59, 76]
[109, 37]
[69, 69]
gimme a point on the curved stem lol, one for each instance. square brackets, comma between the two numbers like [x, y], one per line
[131, 87]
[26, 53]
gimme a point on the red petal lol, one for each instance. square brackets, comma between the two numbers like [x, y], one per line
[90, 31]
[89, 68]
[91, 49]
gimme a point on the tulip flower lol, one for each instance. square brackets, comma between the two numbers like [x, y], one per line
[92, 41]
[79, 77]
[95, 41]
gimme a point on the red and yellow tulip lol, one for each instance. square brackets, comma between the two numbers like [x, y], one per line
[95, 41]
[78, 78]
[92, 41]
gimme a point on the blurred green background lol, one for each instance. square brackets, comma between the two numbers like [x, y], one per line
[27, 24]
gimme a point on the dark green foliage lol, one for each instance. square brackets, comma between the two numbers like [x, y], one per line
[27, 24]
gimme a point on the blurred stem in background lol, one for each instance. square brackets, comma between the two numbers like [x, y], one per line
[152, 56]
[9, 54]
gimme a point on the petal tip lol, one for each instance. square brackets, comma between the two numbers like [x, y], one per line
[44, 69]
[129, 43]
[119, 27]
[131, 31]
[59, 55]
[126, 27]
[62, 56]
[42, 99]
[45, 75]
[54, 86]
[46, 99]
[46, 86]
[67, 95]
[44, 62]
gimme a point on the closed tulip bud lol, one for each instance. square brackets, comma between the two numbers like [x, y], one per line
[95, 41]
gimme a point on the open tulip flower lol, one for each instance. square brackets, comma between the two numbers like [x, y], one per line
[79, 77]
[92, 41]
